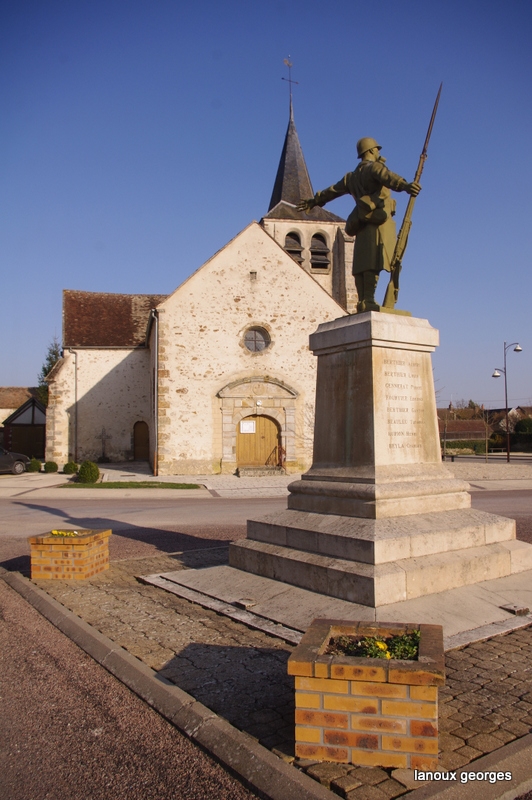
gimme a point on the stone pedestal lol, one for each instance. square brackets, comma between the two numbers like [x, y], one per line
[378, 519]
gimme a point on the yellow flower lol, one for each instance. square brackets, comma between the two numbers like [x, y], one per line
[381, 645]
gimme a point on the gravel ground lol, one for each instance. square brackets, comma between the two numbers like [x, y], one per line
[69, 730]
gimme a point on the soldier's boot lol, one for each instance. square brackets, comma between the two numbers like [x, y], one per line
[366, 284]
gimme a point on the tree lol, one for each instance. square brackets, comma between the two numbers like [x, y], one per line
[524, 425]
[53, 355]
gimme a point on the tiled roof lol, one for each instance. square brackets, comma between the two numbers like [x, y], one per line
[14, 396]
[100, 319]
[463, 426]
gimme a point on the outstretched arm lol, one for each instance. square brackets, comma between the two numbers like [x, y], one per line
[393, 181]
[321, 198]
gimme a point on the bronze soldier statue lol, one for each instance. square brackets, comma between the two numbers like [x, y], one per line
[371, 221]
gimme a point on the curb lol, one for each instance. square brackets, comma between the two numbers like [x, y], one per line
[258, 768]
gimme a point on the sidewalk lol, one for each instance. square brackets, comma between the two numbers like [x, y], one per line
[494, 476]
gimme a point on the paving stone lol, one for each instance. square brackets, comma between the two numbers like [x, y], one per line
[449, 742]
[460, 716]
[504, 736]
[391, 788]
[448, 725]
[516, 727]
[464, 733]
[345, 784]
[370, 775]
[486, 742]
[481, 725]
[469, 752]
[453, 760]
[367, 793]
[406, 778]
[327, 772]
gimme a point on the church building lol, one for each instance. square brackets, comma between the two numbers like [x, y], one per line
[216, 376]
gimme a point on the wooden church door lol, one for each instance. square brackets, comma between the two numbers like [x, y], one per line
[141, 442]
[257, 441]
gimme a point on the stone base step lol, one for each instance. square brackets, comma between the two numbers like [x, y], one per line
[259, 472]
[381, 584]
[383, 540]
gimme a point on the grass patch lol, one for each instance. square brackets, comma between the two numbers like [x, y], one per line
[129, 485]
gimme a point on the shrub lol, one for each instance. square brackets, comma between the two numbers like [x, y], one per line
[70, 468]
[34, 465]
[88, 472]
[50, 466]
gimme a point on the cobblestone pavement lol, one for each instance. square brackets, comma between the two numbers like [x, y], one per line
[240, 673]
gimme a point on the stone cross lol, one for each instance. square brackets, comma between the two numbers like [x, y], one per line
[103, 436]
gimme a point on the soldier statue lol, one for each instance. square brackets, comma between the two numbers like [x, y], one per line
[371, 221]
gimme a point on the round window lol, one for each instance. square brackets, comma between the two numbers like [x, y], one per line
[256, 339]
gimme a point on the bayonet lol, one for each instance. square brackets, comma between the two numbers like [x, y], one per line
[402, 240]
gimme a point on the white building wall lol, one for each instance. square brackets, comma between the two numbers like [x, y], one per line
[95, 390]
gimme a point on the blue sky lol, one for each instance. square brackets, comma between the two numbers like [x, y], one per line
[138, 137]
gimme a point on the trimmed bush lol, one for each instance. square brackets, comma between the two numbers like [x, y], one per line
[477, 446]
[50, 466]
[34, 465]
[88, 472]
[70, 468]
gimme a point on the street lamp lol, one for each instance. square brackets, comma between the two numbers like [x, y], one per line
[497, 374]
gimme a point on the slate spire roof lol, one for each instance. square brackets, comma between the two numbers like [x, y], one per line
[292, 182]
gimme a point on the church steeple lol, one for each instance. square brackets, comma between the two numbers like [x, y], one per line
[292, 182]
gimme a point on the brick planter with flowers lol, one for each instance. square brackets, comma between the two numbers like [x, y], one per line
[367, 711]
[69, 554]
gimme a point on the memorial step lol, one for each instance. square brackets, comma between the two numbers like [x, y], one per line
[380, 541]
[381, 584]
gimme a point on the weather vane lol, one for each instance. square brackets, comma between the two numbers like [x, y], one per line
[289, 79]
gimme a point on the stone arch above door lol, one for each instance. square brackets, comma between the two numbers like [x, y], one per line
[256, 395]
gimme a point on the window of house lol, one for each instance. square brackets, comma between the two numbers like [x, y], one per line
[319, 252]
[256, 339]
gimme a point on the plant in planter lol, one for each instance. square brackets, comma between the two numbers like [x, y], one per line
[368, 710]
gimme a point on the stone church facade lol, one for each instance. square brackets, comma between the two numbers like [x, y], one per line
[217, 375]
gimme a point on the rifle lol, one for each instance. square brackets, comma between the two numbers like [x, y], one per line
[392, 291]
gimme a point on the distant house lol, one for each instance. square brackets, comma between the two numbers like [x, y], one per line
[25, 429]
[454, 430]
[12, 397]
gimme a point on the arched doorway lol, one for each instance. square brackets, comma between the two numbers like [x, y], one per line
[258, 442]
[141, 442]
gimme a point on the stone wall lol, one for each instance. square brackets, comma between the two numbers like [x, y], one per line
[95, 390]
[202, 327]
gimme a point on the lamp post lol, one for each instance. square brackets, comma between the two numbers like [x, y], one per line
[497, 374]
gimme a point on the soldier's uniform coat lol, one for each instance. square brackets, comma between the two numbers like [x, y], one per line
[372, 219]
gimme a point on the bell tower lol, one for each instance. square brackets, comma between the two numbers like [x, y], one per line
[317, 240]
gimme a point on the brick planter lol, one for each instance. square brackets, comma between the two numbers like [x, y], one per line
[69, 557]
[367, 711]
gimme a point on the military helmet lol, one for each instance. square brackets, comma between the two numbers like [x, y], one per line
[365, 144]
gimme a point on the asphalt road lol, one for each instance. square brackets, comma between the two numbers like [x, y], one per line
[145, 526]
